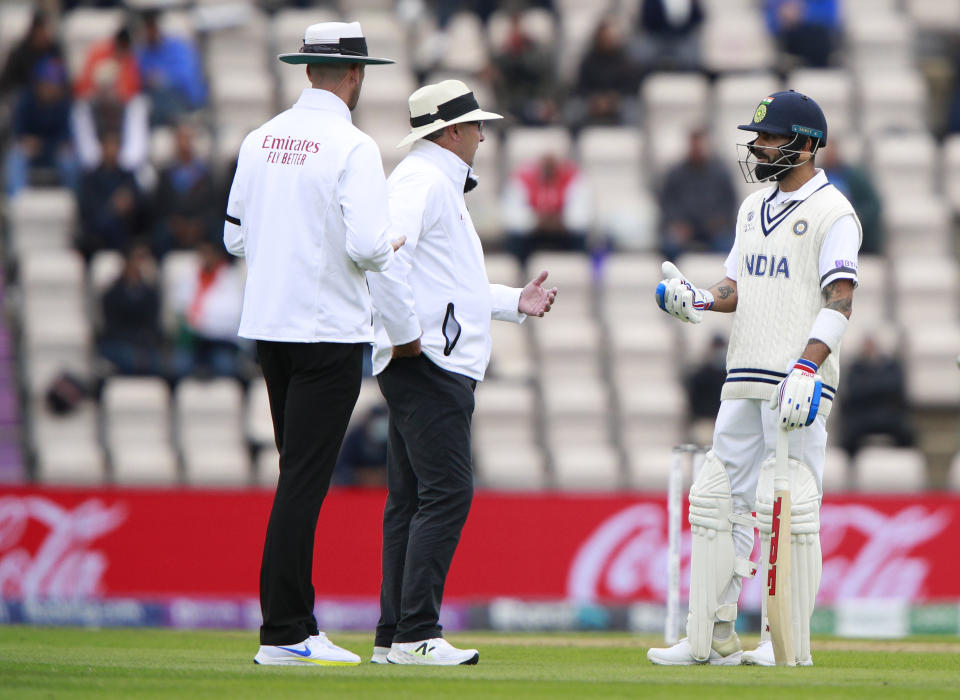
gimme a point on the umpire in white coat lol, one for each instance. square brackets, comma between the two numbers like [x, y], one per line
[308, 211]
[447, 305]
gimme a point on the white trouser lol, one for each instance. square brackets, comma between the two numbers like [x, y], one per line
[745, 435]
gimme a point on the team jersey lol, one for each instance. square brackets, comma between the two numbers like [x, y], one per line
[780, 272]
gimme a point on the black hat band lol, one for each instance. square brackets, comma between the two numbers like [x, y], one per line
[350, 46]
[450, 109]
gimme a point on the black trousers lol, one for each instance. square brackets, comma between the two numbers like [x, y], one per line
[430, 482]
[313, 388]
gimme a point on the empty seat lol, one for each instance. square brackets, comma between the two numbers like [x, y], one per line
[505, 412]
[586, 467]
[259, 423]
[136, 410]
[576, 410]
[217, 465]
[724, 46]
[41, 218]
[144, 464]
[572, 274]
[652, 413]
[526, 144]
[504, 269]
[568, 347]
[511, 357]
[890, 470]
[933, 379]
[833, 90]
[836, 471]
[906, 164]
[918, 225]
[466, 44]
[73, 463]
[267, 466]
[917, 280]
[934, 15]
[879, 40]
[509, 467]
[674, 99]
[893, 99]
[953, 477]
[649, 468]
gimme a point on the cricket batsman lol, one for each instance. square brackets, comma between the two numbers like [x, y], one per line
[790, 278]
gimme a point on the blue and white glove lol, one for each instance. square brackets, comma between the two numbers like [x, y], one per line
[798, 396]
[679, 298]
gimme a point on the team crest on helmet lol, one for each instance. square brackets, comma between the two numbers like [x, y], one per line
[761, 112]
[800, 227]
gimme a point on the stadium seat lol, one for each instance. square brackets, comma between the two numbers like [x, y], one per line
[510, 467]
[917, 279]
[41, 218]
[567, 347]
[243, 98]
[890, 470]
[611, 159]
[836, 471]
[652, 413]
[892, 99]
[624, 275]
[208, 417]
[833, 89]
[724, 48]
[649, 468]
[465, 43]
[369, 397]
[267, 466]
[289, 23]
[642, 352]
[674, 100]
[573, 275]
[258, 422]
[933, 379]
[879, 40]
[953, 477]
[511, 357]
[576, 410]
[505, 413]
[918, 225]
[84, 26]
[934, 16]
[14, 22]
[906, 165]
[217, 465]
[527, 144]
[503, 268]
[75, 463]
[586, 467]
[144, 465]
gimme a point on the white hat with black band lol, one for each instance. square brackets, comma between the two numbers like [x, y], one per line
[433, 107]
[333, 42]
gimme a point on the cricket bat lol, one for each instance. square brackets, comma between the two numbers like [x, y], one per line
[779, 594]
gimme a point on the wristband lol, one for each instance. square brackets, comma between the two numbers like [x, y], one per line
[828, 328]
[806, 366]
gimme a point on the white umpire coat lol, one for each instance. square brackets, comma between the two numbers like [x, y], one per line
[438, 283]
[307, 210]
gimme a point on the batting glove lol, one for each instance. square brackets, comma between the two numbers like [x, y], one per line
[798, 396]
[679, 298]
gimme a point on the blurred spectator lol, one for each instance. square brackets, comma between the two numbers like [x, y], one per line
[208, 310]
[446, 9]
[37, 46]
[524, 77]
[105, 111]
[806, 30]
[112, 206]
[547, 206]
[171, 73]
[669, 38]
[698, 202]
[363, 457]
[854, 182]
[40, 129]
[116, 51]
[874, 399]
[607, 83]
[185, 198]
[703, 384]
[131, 339]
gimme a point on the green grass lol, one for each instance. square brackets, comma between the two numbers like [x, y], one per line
[45, 662]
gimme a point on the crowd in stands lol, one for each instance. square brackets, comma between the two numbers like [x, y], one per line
[94, 131]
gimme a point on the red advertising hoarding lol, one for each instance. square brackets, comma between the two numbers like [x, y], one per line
[606, 548]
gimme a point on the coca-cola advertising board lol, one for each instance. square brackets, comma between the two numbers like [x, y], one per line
[80, 544]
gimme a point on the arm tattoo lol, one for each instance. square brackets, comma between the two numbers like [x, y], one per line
[725, 291]
[844, 303]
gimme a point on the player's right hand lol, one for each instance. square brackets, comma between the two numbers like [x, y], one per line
[676, 296]
[397, 243]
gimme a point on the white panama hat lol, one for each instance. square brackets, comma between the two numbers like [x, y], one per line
[433, 107]
[333, 42]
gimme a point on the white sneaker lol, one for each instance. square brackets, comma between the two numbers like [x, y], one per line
[679, 654]
[380, 655]
[763, 656]
[431, 652]
[317, 650]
